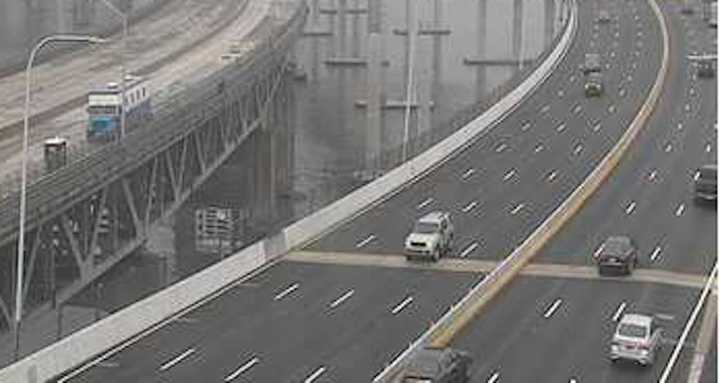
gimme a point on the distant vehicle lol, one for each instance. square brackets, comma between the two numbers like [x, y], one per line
[713, 15]
[105, 106]
[431, 237]
[603, 17]
[686, 8]
[706, 184]
[637, 338]
[55, 153]
[594, 85]
[617, 254]
[437, 365]
[705, 64]
[591, 64]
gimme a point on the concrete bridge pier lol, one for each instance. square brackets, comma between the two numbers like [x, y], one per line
[517, 28]
[436, 51]
[342, 28]
[480, 70]
[83, 11]
[550, 10]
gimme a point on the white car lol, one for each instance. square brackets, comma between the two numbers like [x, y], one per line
[431, 237]
[637, 338]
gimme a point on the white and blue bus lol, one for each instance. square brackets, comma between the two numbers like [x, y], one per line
[104, 108]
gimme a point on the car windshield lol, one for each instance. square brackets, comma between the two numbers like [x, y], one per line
[632, 330]
[426, 228]
[615, 246]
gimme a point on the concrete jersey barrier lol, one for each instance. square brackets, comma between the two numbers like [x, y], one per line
[442, 332]
[92, 344]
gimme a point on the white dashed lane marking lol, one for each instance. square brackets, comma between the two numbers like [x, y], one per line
[424, 204]
[252, 362]
[468, 173]
[619, 311]
[469, 249]
[551, 310]
[509, 174]
[177, 359]
[400, 306]
[630, 208]
[365, 241]
[469, 206]
[286, 292]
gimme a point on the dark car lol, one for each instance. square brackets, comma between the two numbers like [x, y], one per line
[594, 85]
[437, 365]
[706, 68]
[591, 63]
[617, 255]
[706, 184]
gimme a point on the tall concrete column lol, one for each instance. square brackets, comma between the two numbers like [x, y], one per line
[437, 51]
[333, 38]
[82, 12]
[342, 27]
[356, 30]
[549, 22]
[373, 129]
[61, 16]
[411, 29]
[517, 30]
[481, 71]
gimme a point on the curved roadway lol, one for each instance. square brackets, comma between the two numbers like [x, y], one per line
[313, 322]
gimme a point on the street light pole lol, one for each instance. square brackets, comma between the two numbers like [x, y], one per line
[124, 18]
[26, 121]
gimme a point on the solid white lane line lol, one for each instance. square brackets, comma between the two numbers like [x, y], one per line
[517, 208]
[501, 147]
[619, 311]
[252, 362]
[680, 209]
[342, 299]
[509, 174]
[560, 128]
[287, 291]
[655, 253]
[551, 176]
[469, 206]
[652, 175]
[423, 204]
[315, 375]
[469, 250]
[578, 149]
[630, 208]
[400, 306]
[550, 311]
[177, 359]
[538, 148]
[696, 176]
[468, 173]
[365, 241]
[494, 378]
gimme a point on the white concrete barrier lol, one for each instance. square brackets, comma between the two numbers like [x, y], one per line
[91, 345]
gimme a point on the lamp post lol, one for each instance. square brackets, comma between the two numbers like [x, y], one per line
[26, 120]
[124, 18]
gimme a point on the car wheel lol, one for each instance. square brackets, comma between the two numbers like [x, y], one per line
[436, 255]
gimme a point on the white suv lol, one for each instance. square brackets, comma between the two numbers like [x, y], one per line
[431, 237]
[637, 338]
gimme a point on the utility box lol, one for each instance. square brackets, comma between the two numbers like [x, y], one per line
[55, 153]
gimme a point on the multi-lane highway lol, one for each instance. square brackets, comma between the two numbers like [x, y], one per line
[649, 197]
[340, 323]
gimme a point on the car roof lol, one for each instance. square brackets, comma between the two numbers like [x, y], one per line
[435, 216]
[618, 239]
[637, 319]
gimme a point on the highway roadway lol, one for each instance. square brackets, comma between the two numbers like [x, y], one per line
[648, 197]
[177, 46]
[499, 189]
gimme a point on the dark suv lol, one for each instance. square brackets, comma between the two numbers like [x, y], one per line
[617, 255]
[437, 365]
[706, 184]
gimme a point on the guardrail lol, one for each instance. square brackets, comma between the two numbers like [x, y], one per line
[460, 314]
[119, 330]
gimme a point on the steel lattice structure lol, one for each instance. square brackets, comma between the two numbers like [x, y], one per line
[89, 215]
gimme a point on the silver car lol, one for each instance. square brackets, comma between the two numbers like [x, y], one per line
[637, 338]
[431, 237]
